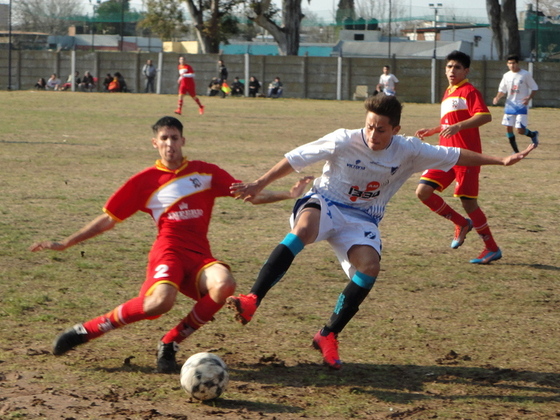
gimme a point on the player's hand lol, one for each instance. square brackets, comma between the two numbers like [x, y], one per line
[495, 101]
[299, 187]
[245, 191]
[513, 159]
[39, 246]
[449, 131]
[423, 132]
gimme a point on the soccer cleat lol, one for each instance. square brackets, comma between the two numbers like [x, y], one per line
[535, 138]
[487, 257]
[178, 111]
[328, 346]
[244, 306]
[461, 234]
[69, 339]
[166, 362]
[201, 110]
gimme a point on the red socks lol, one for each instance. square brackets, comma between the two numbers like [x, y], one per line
[202, 312]
[127, 313]
[439, 206]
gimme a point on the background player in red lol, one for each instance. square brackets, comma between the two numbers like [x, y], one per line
[179, 194]
[462, 111]
[186, 86]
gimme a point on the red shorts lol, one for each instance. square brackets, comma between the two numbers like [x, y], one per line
[187, 87]
[179, 267]
[466, 177]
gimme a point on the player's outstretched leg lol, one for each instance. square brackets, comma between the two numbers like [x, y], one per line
[271, 273]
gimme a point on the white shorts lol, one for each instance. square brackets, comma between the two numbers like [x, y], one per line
[342, 228]
[517, 121]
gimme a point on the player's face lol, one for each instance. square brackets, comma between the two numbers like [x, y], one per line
[378, 131]
[513, 66]
[455, 72]
[169, 143]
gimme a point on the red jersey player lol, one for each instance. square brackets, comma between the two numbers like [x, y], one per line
[179, 195]
[186, 86]
[462, 111]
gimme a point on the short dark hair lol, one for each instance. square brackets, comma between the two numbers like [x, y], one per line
[386, 106]
[513, 57]
[460, 57]
[167, 122]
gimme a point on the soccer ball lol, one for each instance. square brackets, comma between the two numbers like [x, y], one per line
[204, 376]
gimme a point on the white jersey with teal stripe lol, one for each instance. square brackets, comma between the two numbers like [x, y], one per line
[354, 176]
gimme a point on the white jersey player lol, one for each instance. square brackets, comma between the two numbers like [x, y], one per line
[364, 168]
[519, 87]
[387, 82]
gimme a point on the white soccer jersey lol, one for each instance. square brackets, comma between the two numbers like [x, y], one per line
[354, 176]
[517, 86]
[388, 82]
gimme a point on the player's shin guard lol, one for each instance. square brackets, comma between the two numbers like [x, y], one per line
[127, 313]
[202, 312]
[277, 264]
[349, 302]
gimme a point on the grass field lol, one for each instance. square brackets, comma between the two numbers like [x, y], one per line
[437, 338]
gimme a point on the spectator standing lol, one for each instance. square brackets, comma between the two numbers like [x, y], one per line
[387, 82]
[222, 71]
[254, 87]
[520, 87]
[149, 71]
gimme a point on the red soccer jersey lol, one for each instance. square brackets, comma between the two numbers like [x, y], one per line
[459, 103]
[179, 201]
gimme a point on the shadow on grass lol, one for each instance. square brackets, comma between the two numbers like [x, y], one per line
[407, 383]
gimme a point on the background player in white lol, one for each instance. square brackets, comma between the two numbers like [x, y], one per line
[363, 169]
[387, 82]
[520, 87]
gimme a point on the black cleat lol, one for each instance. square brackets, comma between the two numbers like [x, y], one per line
[166, 362]
[69, 339]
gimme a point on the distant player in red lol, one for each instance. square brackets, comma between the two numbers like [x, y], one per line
[186, 86]
[462, 111]
[179, 194]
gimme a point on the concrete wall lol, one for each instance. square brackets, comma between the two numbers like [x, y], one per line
[303, 77]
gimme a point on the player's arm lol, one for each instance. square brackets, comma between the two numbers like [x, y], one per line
[470, 158]
[249, 191]
[268, 196]
[97, 226]
[427, 132]
[497, 98]
[528, 98]
[473, 122]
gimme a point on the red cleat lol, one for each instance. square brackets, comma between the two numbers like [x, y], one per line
[328, 346]
[201, 110]
[178, 111]
[244, 306]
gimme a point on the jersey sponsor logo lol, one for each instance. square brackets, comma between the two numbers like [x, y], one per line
[356, 165]
[371, 191]
[196, 182]
[185, 214]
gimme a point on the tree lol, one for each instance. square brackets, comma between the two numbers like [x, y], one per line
[286, 35]
[49, 16]
[165, 19]
[505, 27]
[212, 22]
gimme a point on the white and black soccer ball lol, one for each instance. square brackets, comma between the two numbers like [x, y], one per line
[204, 376]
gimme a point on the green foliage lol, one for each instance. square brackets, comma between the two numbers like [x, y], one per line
[165, 18]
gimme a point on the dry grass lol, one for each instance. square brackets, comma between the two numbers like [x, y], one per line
[438, 337]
